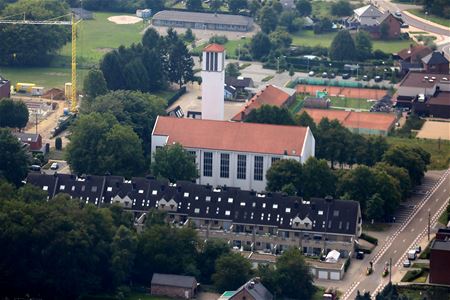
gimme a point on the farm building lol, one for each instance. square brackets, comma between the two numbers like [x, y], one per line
[5, 88]
[176, 286]
[197, 20]
[359, 122]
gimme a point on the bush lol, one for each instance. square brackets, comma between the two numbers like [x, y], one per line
[58, 143]
[369, 238]
[218, 39]
[347, 264]
[412, 275]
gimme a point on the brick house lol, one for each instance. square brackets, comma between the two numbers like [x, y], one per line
[372, 20]
[436, 63]
[174, 286]
[440, 258]
[33, 140]
[251, 290]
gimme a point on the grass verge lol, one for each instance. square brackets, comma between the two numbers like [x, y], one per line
[267, 78]
[377, 227]
[432, 18]
[439, 150]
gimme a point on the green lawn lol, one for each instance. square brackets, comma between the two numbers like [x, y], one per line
[432, 18]
[46, 77]
[321, 9]
[356, 103]
[308, 38]
[231, 47]
[440, 158]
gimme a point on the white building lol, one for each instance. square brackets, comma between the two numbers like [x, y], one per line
[213, 81]
[234, 154]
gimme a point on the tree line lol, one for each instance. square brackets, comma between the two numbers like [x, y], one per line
[65, 248]
[148, 66]
[373, 173]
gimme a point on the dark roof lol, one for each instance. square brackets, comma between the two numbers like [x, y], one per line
[256, 289]
[423, 80]
[414, 51]
[26, 137]
[441, 245]
[230, 89]
[239, 82]
[174, 280]
[198, 201]
[442, 98]
[209, 18]
[435, 58]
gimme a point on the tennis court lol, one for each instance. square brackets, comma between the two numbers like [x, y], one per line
[336, 91]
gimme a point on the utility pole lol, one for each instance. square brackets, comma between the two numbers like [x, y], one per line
[429, 217]
[390, 270]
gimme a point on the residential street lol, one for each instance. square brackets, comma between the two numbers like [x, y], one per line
[409, 231]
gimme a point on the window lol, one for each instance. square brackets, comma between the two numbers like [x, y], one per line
[193, 155]
[45, 188]
[109, 189]
[62, 187]
[224, 165]
[241, 166]
[207, 164]
[258, 171]
[275, 159]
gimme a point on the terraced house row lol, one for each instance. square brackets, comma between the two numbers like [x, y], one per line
[268, 222]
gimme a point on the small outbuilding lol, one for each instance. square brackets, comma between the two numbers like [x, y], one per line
[174, 286]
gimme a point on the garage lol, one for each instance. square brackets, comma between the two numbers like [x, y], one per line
[323, 274]
[335, 275]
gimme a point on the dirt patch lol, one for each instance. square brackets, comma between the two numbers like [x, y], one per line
[104, 50]
[124, 19]
[54, 94]
[345, 91]
[435, 130]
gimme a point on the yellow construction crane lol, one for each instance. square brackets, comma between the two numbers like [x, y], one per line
[73, 23]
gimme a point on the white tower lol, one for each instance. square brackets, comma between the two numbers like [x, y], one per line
[213, 81]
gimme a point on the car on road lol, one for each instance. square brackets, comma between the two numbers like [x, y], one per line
[311, 73]
[407, 263]
[412, 254]
[346, 76]
[54, 166]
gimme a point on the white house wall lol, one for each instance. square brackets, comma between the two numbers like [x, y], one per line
[309, 146]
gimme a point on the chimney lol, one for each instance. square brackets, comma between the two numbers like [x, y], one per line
[328, 198]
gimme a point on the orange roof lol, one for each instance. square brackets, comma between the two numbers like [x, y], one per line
[271, 95]
[414, 52]
[352, 119]
[232, 136]
[214, 48]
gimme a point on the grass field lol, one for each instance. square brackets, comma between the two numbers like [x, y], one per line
[356, 103]
[440, 158]
[308, 38]
[432, 18]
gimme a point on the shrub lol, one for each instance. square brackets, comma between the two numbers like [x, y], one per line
[218, 39]
[58, 143]
[369, 238]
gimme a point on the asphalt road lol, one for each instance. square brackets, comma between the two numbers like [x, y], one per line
[403, 236]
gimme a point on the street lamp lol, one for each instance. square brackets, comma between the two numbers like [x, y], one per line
[278, 62]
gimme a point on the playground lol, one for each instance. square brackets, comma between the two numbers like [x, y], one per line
[337, 91]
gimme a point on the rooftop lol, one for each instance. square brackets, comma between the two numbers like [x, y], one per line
[271, 95]
[424, 80]
[352, 119]
[414, 52]
[368, 11]
[442, 98]
[441, 245]
[211, 18]
[26, 137]
[234, 136]
[205, 202]
[214, 48]
[256, 289]
[435, 58]
[173, 280]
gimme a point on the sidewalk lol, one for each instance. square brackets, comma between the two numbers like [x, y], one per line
[425, 21]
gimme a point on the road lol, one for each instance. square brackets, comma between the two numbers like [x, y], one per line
[409, 231]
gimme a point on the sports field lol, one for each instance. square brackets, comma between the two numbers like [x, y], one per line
[335, 91]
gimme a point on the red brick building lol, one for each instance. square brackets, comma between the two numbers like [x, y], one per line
[440, 259]
[436, 63]
[252, 290]
[33, 140]
[5, 88]
[173, 286]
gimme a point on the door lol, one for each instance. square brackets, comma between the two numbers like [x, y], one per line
[323, 274]
[335, 275]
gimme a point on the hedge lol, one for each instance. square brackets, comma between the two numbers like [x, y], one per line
[176, 96]
[369, 238]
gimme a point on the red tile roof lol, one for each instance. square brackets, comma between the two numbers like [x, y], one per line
[416, 52]
[352, 119]
[271, 95]
[214, 48]
[232, 136]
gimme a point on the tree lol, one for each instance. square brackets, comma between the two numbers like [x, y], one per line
[136, 75]
[268, 19]
[290, 20]
[210, 251]
[215, 5]
[254, 7]
[260, 45]
[58, 143]
[305, 120]
[180, 63]
[342, 47]
[365, 296]
[232, 70]
[374, 210]
[22, 45]
[112, 70]
[323, 25]
[232, 270]
[236, 5]
[155, 62]
[376, 147]
[13, 114]
[194, 4]
[94, 83]
[342, 8]
[269, 114]
[409, 158]
[98, 144]
[318, 179]
[284, 173]
[13, 159]
[174, 163]
[189, 35]
[304, 7]
[280, 39]
[363, 45]
[399, 174]
[123, 248]
[155, 5]
[291, 277]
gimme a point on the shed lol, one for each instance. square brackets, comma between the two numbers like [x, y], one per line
[175, 286]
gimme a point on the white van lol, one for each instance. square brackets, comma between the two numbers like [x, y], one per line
[412, 254]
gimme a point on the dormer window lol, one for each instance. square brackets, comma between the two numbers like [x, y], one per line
[230, 200]
[197, 210]
[109, 189]
[94, 189]
[335, 213]
[186, 195]
[320, 212]
[62, 187]
[141, 191]
[288, 209]
[275, 206]
[208, 198]
[45, 188]
[242, 203]
[154, 192]
[264, 205]
[227, 213]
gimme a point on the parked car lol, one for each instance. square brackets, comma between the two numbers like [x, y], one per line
[331, 75]
[404, 25]
[418, 249]
[346, 76]
[35, 168]
[412, 254]
[365, 78]
[324, 75]
[398, 14]
[378, 78]
[311, 73]
[54, 166]
[407, 263]
[359, 255]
